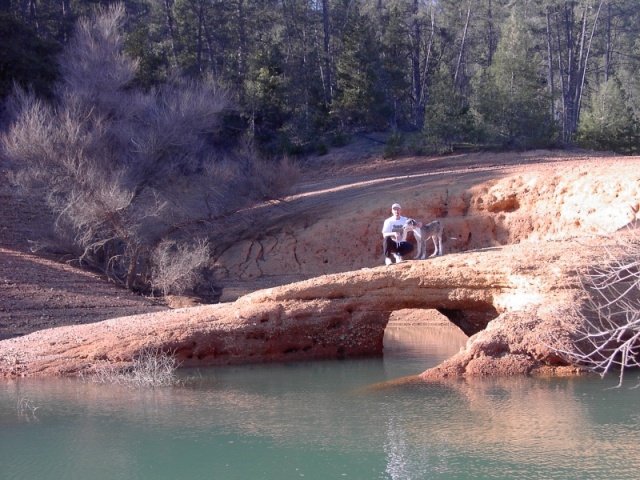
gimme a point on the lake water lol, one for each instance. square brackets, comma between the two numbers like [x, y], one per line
[324, 420]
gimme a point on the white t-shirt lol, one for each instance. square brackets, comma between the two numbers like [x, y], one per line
[393, 225]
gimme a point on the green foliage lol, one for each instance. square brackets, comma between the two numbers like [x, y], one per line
[153, 64]
[25, 60]
[448, 119]
[630, 84]
[339, 139]
[322, 149]
[394, 146]
[359, 100]
[395, 44]
[511, 101]
[416, 144]
[265, 96]
[377, 66]
[608, 122]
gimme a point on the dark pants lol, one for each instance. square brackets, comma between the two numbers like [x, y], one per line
[390, 246]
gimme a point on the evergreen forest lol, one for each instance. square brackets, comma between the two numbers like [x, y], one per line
[302, 76]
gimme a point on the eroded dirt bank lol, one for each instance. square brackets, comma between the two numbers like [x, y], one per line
[517, 227]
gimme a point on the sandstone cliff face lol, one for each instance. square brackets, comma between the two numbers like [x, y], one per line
[516, 236]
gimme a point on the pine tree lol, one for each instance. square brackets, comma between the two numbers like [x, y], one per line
[26, 60]
[359, 99]
[511, 99]
[608, 123]
[448, 119]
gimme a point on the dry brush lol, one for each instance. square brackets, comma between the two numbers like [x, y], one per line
[126, 172]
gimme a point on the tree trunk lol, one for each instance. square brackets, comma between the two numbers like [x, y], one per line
[200, 36]
[568, 93]
[586, 62]
[168, 10]
[415, 69]
[131, 271]
[242, 40]
[32, 16]
[561, 71]
[550, 55]
[491, 43]
[328, 83]
[427, 60]
[66, 18]
[462, 44]
[579, 75]
[211, 50]
[607, 57]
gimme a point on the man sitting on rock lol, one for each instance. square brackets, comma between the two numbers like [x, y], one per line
[393, 242]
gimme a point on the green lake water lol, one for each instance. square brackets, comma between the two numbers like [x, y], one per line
[324, 420]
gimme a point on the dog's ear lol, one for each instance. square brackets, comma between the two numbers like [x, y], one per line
[411, 222]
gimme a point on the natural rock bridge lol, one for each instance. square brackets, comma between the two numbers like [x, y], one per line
[340, 316]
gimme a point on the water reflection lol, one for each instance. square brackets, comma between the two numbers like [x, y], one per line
[560, 428]
[318, 418]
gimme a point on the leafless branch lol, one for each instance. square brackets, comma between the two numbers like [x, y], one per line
[608, 337]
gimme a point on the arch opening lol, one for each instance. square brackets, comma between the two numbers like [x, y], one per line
[470, 321]
[422, 334]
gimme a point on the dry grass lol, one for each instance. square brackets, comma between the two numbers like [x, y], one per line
[177, 266]
[151, 368]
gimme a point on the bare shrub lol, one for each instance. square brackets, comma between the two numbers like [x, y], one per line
[266, 178]
[94, 66]
[273, 178]
[608, 338]
[26, 409]
[151, 368]
[176, 266]
[121, 169]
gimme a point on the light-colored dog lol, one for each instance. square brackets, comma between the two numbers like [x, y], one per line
[422, 233]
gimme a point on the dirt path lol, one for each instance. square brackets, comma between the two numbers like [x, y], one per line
[345, 181]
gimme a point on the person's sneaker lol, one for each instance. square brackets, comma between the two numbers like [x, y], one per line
[399, 259]
[387, 261]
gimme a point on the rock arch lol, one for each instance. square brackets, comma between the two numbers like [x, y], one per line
[334, 316]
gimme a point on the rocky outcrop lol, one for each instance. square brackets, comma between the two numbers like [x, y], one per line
[495, 296]
[531, 198]
[509, 279]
